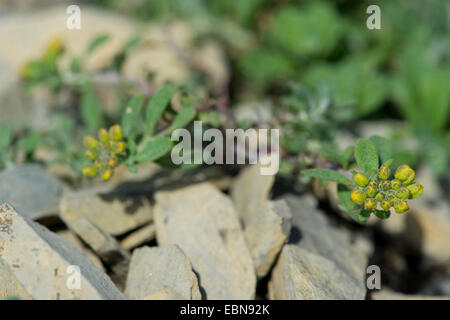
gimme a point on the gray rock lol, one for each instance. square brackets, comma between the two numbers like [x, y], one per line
[302, 275]
[439, 286]
[138, 237]
[39, 260]
[104, 245]
[158, 268]
[322, 261]
[9, 285]
[204, 224]
[164, 294]
[386, 294]
[266, 230]
[312, 231]
[114, 214]
[31, 190]
[250, 189]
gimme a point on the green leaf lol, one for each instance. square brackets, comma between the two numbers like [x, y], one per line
[30, 142]
[384, 147]
[382, 214]
[97, 42]
[130, 117]
[91, 113]
[153, 149]
[157, 106]
[327, 175]
[366, 156]
[183, 118]
[5, 137]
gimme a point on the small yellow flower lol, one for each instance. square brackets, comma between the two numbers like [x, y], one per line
[115, 132]
[379, 197]
[415, 190]
[112, 162]
[405, 174]
[370, 191]
[402, 193]
[90, 142]
[361, 180]
[89, 171]
[369, 204]
[384, 172]
[395, 184]
[401, 206]
[55, 46]
[103, 135]
[357, 196]
[384, 185]
[91, 154]
[107, 175]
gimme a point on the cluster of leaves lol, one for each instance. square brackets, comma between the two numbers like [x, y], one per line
[325, 44]
[370, 190]
[139, 138]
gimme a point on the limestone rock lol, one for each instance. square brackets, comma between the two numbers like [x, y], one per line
[204, 224]
[31, 190]
[39, 260]
[164, 294]
[302, 275]
[266, 230]
[158, 268]
[9, 285]
[138, 237]
[386, 294]
[312, 231]
[77, 243]
[104, 245]
[115, 214]
[250, 189]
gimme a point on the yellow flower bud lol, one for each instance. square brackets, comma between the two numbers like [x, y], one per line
[90, 142]
[103, 135]
[115, 132]
[401, 206]
[393, 200]
[415, 190]
[358, 196]
[112, 162]
[119, 147]
[403, 193]
[379, 197]
[384, 185]
[55, 46]
[395, 184]
[373, 183]
[89, 171]
[91, 154]
[107, 175]
[370, 191]
[386, 204]
[384, 172]
[405, 174]
[361, 180]
[369, 204]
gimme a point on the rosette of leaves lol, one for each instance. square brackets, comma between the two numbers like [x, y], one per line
[371, 190]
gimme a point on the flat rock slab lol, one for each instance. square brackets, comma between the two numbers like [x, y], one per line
[40, 260]
[312, 231]
[10, 287]
[250, 189]
[158, 268]
[204, 224]
[266, 231]
[114, 214]
[31, 190]
[302, 275]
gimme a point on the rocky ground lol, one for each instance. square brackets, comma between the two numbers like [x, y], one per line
[202, 234]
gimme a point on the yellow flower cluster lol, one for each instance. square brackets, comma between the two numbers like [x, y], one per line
[386, 193]
[104, 152]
